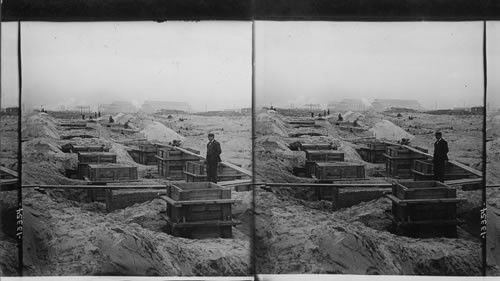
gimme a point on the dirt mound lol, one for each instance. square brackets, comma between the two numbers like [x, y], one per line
[270, 124]
[157, 132]
[352, 116]
[69, 240]
[40, 125]
[122, 118]
[493, 161]
[387, 130]
[294, 239]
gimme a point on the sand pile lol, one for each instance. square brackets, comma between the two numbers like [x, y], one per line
[267, 124]
[122, 118]
[387, 130]
[493, 161]
[127, 242]
[157, 132]
[294, 239]
[40, 125]
[352, 116]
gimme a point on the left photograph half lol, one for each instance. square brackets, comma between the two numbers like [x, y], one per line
[136, 147]
[10, 210]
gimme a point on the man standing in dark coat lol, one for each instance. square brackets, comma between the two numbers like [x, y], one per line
[213, 158]
[440, 157]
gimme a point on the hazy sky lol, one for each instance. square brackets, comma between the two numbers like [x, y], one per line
[207, 64]
[439, 64]
[493, 52]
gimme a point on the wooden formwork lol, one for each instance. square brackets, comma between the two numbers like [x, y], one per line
[424, 208]
[199, 210]
[96, 157]
[87, 148]
[120, 199]
[196, 172]
[145, 154]
[339, 170]
[424, 170]
[400, 161]
[172, 162]
[324, 155]
[317, 146]
[111, 172]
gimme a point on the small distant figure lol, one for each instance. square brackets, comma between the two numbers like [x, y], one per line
[99, 113]
[340, 118]
[95, 114]
[319, 115]
[440, 157]
[111, 120]
[328, 111]
[312, 114]
[213, 158]
[83, 116]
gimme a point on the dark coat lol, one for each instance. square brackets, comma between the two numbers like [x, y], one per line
[213, 152]
[440, 151]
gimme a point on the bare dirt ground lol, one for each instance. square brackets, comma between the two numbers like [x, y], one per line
[67, 235]
[8, 199]
[493, 202]
[300, 236]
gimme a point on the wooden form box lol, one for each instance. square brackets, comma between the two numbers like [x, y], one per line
[87, 148]
[172, 163]
[396, 151]
[425, 204]
[199, 210]
[317, 146]
[196, 172]
[424, 170]
[376, 146]
[400, 167]
[339, 170]
[120, 199]
[111, 172]
[324, 155]
[169, 153]
[96, 157]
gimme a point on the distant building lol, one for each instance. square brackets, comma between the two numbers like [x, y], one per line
[477, 110]
[154, 106]
[383, 104]
[246, 111]
[348, 105]
[12, 110]
[117, 107]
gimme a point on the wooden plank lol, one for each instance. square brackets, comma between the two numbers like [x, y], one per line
[340, 185]
[464, 181]
[88, 186]
[205, 223]
[235, 182]
[9, 171]
[197, 202]
[420, 201]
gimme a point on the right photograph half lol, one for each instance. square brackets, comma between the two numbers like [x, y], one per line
[493, 148]
[368, 149]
